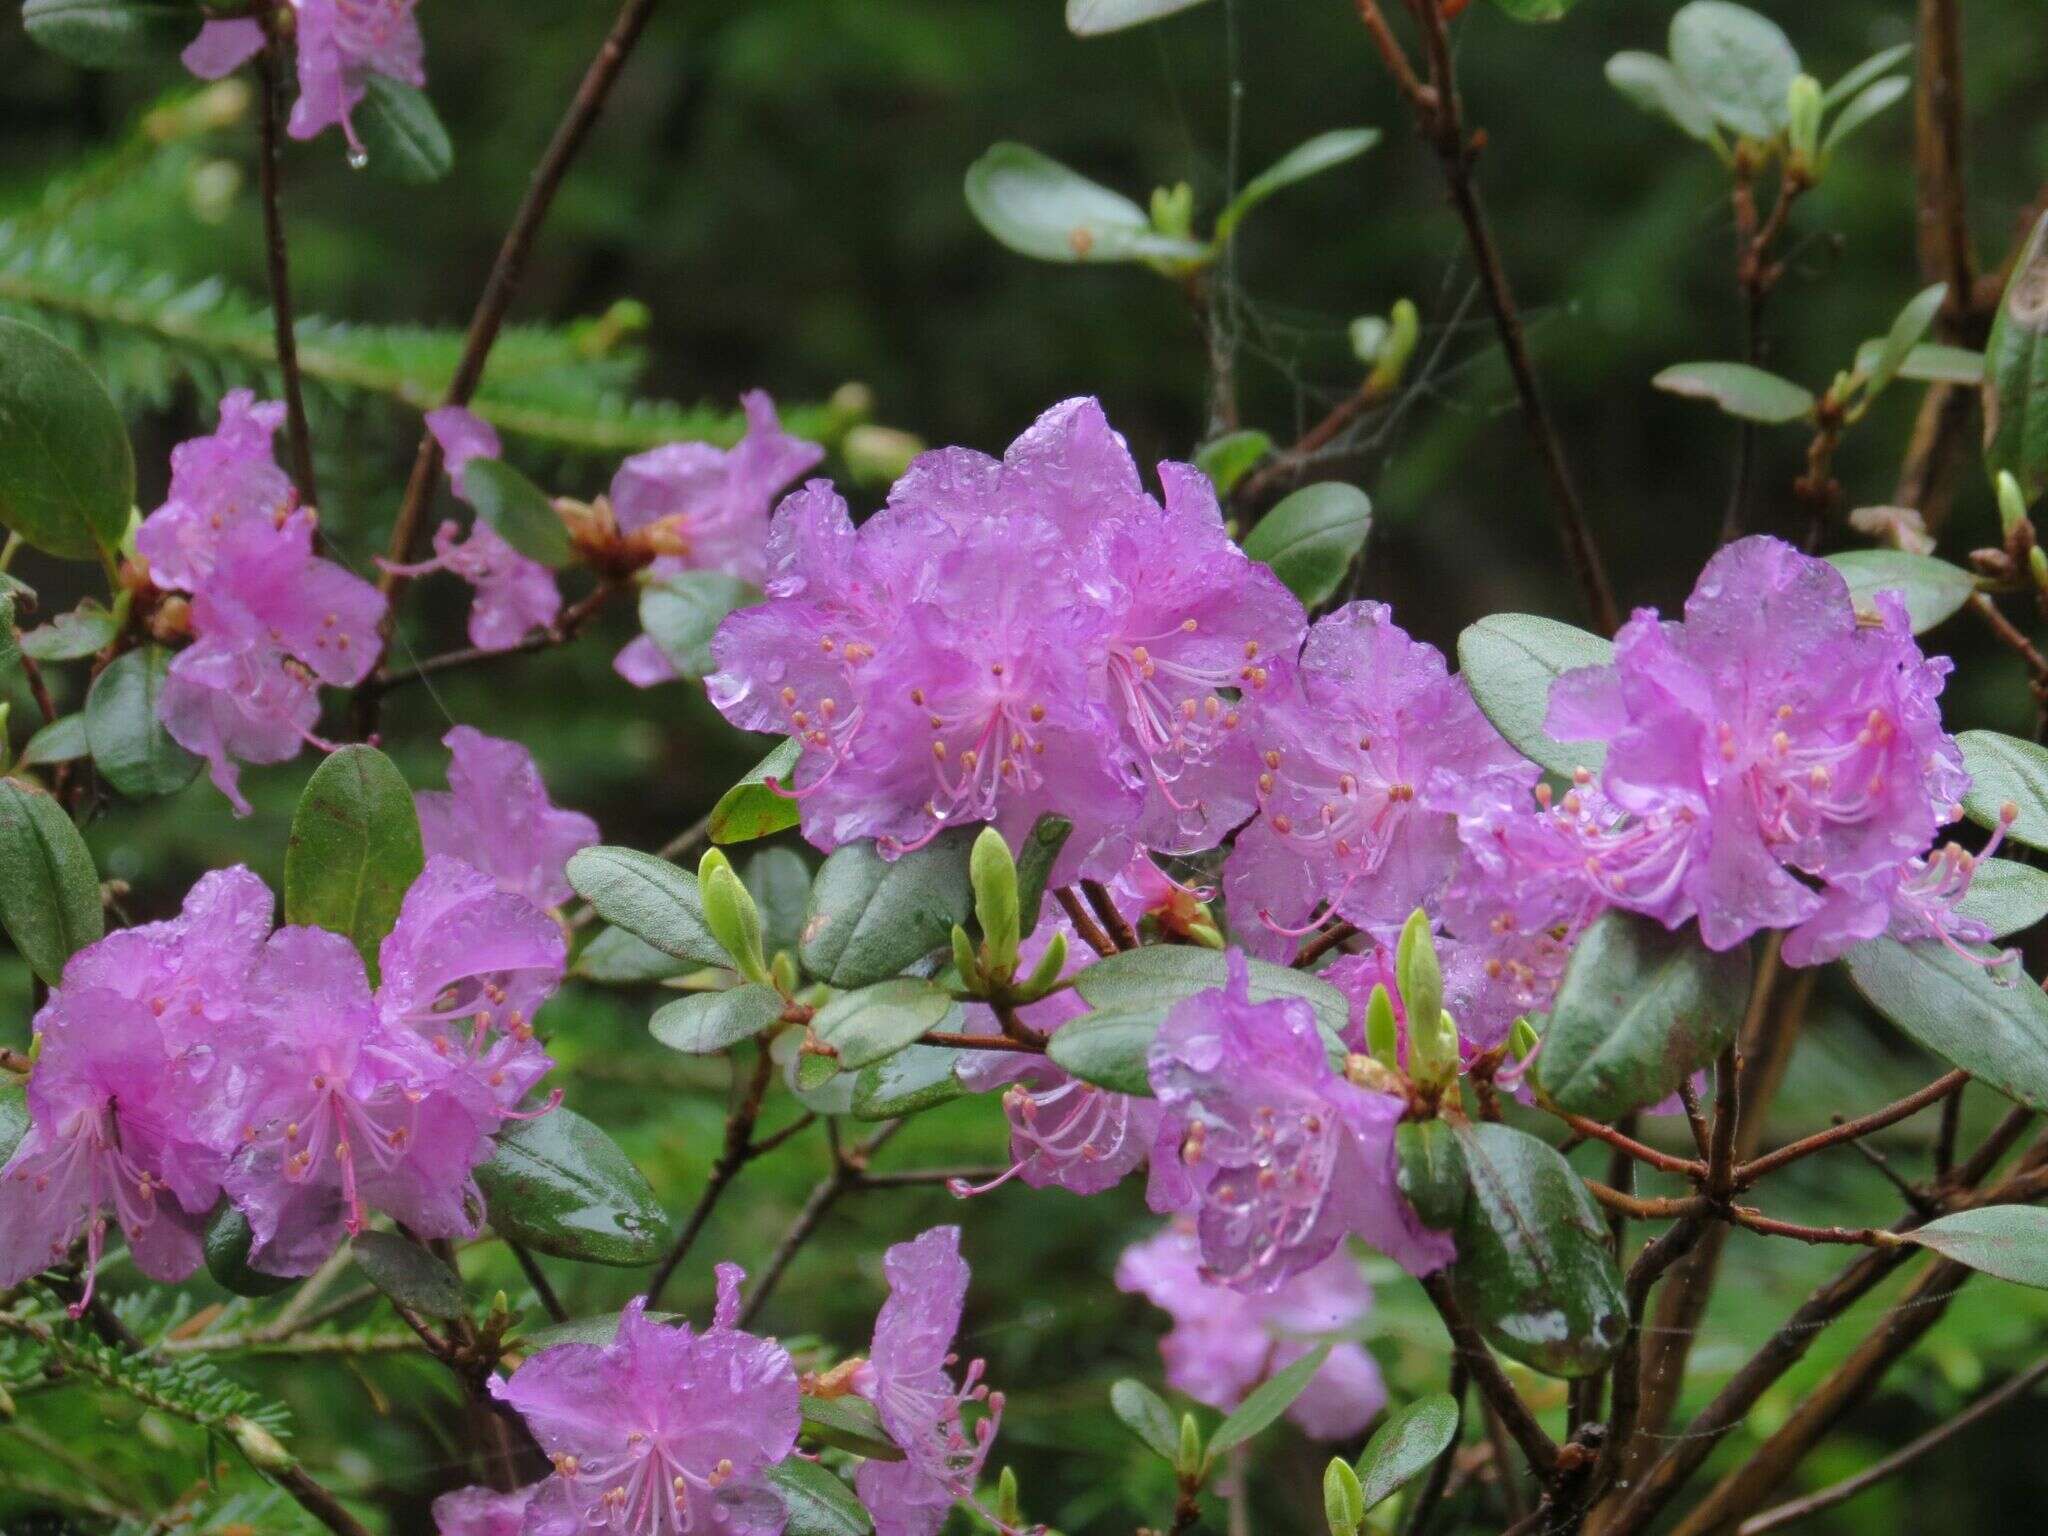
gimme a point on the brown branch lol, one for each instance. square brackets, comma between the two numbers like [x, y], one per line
[1119, 928]
[572, 622]
[537, 1277]
[1323, 943]
[1090, 931]
[1641, 1209]
[1945, 1087]
[953, 1040]
[277, 269]
[502, 286]
[1289, 465]
[1493, 1382]
[1898, 1461]
[849, 1172]
[733, 1156]
[1663, 1162]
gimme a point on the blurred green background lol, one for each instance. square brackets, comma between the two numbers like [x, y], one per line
[779, 186]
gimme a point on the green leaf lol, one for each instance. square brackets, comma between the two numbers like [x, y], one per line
[1038, 208]
[1910, 325]
[1649, 82]
[780, 883]
[1641, 1008]
[869, 917]
[1931, 589]
[1533, 1270]
[2008, 1242]
[1740, 390]
[681, 613]
[1108, 1048]
[561, 1186]
[1510, 660]
[705, 1023]
[1871, 101]
[2005, 770]
[619, 959]
[1229, 458]
[1035, 861]
[851, 1424]
[228, 1241]
[1311, 538]
[128, 742]
[649, 898]
[1877, 64]
[750, 809]
[1267, 1401]
[67, 474]
[1092, 18]
[49, 889]
[61, 741]
[1739, 63]
[354, 850]
[2008, 896]
[1406, 1444]
[86, 630]
[409, 1275]
[916, 1078]
[1321, 153]
[517, 509]
[2016, 373]
[1931, 362]
[1993, 1026]
[404, 139]
[1160, 975]
[1145, 1414]
[1430, 1171]
[1536, 10]
[819, 1504]
[599, 1330]
[876, 1022]
[10, 658]
[111, 34]
[13, 1115]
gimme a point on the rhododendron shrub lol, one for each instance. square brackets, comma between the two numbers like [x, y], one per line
[1386, 1030]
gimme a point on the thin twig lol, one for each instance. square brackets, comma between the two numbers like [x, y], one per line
[1119, 928]
[566, 628]
[277, 267]
[1324, 942]
[1090, 931]
[1944, 1087]
[1493, 1381]
[732, 1156]
[1663, 1162]
[536, 1277]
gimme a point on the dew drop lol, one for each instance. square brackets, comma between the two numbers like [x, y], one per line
[358, 157]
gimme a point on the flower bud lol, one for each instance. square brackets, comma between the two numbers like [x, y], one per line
[1009, 1506]
[2037, 564]
[1188, 1461]
[1173, 210]
[262, 1448]
[1046, 974]
[1418, 974]
[1382, 1030]
[1404, 330]
[782, 973]
[1369, 335]
[1433, 1049]
[1803, 102]
[732, 917]
[1343, 1498]
[2012, 504]
[965, 962]
[879, 455]
[994, 875]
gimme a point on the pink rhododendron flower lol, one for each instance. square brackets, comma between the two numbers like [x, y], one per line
[1767, 747]
[1008, 638]
[1277, 1156]
[340, 44]
[483, 1511]
[1224, 1343]
[664, 1431]
[514, 595]
[706, 509]
[1366, 762]
[906, 1377]
[217, 482]
[496, 815]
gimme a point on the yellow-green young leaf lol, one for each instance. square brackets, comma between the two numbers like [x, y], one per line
[2005, 770]
[354, 850]
[1870, 102]
[112, 34]
[560, 1185]
[1319, 154]
[1037, 207]
[1931, 589]
[129, 744]
[2016, 373]
[1641, 1008]
[1229, 458]
[1649, 82]
[1877, 64]
[2009, 1242]
[1405, 1444]
[1343, 1498]
[49, 889]
[750, 809]
[409, 1275]
[1267, 1401]
[1533, 1270]
[1536, 10]
[517, 509]
[1907, 329]
[1510, 661]
[1931, 362]
[1311, 538]
[1992, 1024]
[67, 474]
[1739, 63]
[869, 917]
[403, 135]
[1739, 389]
[1092, 18]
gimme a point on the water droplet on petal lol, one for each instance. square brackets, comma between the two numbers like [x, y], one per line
[358, 157]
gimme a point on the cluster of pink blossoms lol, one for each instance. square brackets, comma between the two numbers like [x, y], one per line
[271, 620]
[212, 1056]
[340, 44]
[667, 1431]
[1013, 637]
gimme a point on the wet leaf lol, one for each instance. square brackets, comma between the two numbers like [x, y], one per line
[561, 1186]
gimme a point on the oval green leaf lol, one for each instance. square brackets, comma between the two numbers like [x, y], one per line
[1510, 661]
[13, 1115]
[1160, 975]
[1319, 154]
[87, 629]
[750, 809]
[869, 917]
[518, 510]
[67, 474]
[1038, 208]
[1092, 18]
[1035, 860]
[2007, 896]
[851, 1424]
[1641, 1008]
[1931, 589]
[2016, 373]
[561, 1186]
[1742, 391]
[649, 898]
[1649, 82]
[1229, 458]
[1145, 1414]
[818, 1502]
[681, 613]
[1311, 538]
[1406, 1445]
[1870, 102]
[1267, 1401]
[128, 742]
[706, 1023]
[780, 882]
[621, 959]
[61, 741]
[111, 34]
[917, 1078]
[1430, 1172]
[409, 1275]
[2008, 1242]
[1910, 325]
[1931, 362]
[1739, 63]
[227, 1244]
[354, 850]
[1533, 1270]
[49, 889]
[404, 137]
[2004, 770]
[1993, 1026]
[876, 1022]
[1108, 1048]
